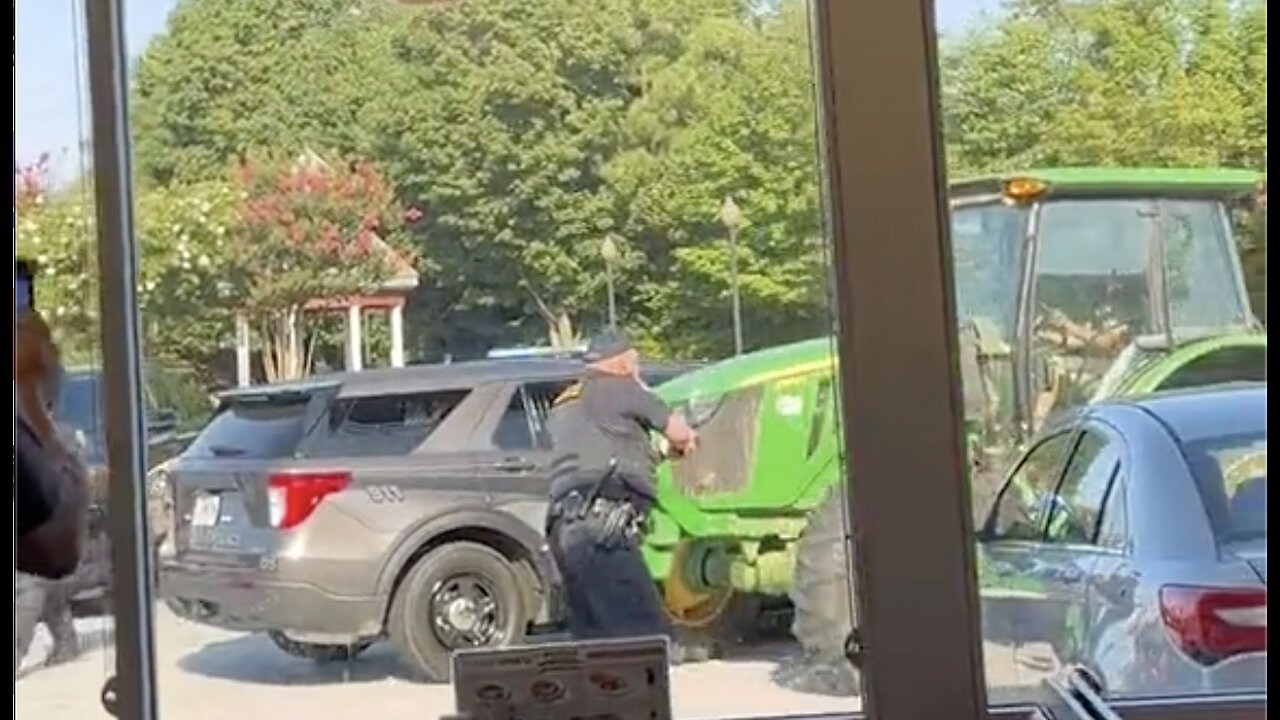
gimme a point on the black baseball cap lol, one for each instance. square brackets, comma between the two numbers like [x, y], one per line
[607, 344]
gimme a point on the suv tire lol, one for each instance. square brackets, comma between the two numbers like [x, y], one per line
[318, 652]
[459, 595]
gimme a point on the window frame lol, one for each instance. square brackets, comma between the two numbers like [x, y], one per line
[519, 392]
[1118, 491]
[1070, 435]
[879, 124]
[1112, 445]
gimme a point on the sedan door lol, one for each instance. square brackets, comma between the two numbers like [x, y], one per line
[1038, 548]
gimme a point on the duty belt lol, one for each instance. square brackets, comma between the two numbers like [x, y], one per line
[574, 506]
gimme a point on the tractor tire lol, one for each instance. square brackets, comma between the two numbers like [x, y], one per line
[316, 652]
[820, 589]
[821, 594]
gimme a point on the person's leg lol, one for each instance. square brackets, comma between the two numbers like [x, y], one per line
[28, 606]
[624, 597]
[58, 618]
[571, 549]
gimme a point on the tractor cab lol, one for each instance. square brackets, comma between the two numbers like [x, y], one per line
[1073, 285]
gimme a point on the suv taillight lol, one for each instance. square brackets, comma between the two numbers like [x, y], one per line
[293, 496]
[1212, 624]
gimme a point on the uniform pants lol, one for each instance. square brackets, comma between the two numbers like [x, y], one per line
[608, 590]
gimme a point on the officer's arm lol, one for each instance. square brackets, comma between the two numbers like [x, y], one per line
[649, 409]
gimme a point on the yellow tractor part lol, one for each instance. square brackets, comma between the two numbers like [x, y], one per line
[1243, 467]
[686, 605]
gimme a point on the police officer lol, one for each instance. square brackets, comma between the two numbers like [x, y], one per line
[602, 490]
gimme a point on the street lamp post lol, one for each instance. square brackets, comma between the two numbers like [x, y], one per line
[609, 252]
[731, 217]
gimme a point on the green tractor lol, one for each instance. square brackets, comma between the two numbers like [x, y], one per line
[1072, 285]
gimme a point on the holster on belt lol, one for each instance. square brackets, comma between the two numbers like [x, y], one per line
[618, 522]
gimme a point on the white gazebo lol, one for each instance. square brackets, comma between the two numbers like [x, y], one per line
[390, 297]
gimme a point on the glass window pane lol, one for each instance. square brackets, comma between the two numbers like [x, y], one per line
[64, 647]
[380, 236]
[1110, 269]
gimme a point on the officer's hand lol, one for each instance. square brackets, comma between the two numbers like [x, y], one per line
[692, 444]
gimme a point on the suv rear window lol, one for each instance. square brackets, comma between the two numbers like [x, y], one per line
[256, 430]
[1232, 476]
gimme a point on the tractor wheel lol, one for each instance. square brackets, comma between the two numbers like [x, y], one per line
[705, 624]
[733, 626]
[821, 596]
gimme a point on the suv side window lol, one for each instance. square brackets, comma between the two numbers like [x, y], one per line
[384, 424]
[524, 424]
[1077, 506]
[1020, 509]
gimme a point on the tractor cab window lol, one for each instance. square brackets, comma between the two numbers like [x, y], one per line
[1098, 280]
[1202, 278]
[986, 243]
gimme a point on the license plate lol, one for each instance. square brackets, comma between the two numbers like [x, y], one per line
[206, 511]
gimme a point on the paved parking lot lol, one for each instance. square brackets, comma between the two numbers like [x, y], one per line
[207, 674]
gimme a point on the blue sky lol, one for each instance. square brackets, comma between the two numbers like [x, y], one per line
[46, 99]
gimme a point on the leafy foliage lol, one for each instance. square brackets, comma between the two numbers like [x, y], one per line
[528, 132]
[307, 231]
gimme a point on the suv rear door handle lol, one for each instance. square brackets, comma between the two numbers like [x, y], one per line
[515, 465]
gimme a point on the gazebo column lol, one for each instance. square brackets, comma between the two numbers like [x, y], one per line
[355, 338]
[397, 334]
[244, 371]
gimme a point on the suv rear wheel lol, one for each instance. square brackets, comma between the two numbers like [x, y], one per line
[318, 652]
[460, 595]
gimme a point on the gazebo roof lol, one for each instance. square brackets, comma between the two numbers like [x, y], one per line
[404, 276]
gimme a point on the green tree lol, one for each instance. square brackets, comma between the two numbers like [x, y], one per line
[1109, 82]
[55, 230]
[517, 108]
[733, 115]
[182, 295]
[230, 79]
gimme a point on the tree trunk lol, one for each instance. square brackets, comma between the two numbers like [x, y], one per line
[560, 331]
[284, 356]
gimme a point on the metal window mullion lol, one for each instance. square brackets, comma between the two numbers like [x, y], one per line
[135, 691]
[898, 370]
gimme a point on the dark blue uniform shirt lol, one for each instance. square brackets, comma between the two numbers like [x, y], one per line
[604, 418]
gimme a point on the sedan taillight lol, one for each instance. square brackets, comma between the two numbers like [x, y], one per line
[1212, 624]
[293, 496]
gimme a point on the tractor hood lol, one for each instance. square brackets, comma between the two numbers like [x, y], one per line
[754, 368]
[1154, 362]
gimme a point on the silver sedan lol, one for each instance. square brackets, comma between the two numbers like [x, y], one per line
[1132, 538]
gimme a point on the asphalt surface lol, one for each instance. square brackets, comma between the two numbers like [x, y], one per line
[208, 674]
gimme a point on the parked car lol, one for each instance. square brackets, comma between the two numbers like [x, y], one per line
[401, 503]
[1132, 538]
[176, 406]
